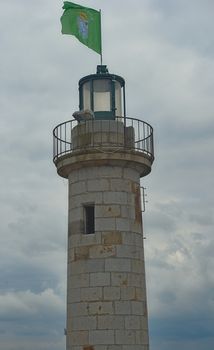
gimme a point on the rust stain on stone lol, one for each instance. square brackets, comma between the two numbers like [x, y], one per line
[88, 347]
[107, 249]
[137, 197]
[114, 237]
[124, 282]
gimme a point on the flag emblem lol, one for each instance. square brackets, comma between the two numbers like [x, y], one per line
[82, 22]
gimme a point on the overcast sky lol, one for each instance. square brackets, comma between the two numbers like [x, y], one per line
[164, 49]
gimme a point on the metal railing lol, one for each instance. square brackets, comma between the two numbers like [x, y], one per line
[136, 135]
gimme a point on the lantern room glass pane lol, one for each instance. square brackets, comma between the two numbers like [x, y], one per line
[118, 99]
[86, 96]
[102, 95]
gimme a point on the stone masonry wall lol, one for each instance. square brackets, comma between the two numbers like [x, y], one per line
[106, 293]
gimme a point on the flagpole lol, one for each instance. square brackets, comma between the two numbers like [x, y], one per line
[101, 55]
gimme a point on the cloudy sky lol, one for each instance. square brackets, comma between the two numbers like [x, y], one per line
[165, 51]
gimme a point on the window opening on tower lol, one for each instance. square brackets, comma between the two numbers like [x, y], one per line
[89, 212]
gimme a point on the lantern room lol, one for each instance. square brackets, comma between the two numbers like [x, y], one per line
[103, 94]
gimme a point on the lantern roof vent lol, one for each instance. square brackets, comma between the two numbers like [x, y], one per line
[101, 69]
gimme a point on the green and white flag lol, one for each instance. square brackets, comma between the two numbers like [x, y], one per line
[84, 23]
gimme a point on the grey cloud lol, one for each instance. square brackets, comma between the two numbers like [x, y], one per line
[202, 219]
[182, 29]
[31, 315]
[160, 221]
[26, 303]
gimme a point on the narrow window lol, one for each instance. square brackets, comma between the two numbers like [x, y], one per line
[89, 219]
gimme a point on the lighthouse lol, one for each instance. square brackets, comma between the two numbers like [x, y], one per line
[103, 154]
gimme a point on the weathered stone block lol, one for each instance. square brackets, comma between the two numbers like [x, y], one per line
[139, 241]
[131, 174]
[140, 294]
[128, 293]
[122, 224]
[142, 337]
[73, 295]
[122, 307]
[129, 238]
[119, 265]
[88, 197]
[134, 347]
[70, 255]
[94, 265]
[77, 267]
[81, 280]
[91, 294]
[132, 322]
[85, 266]
[73, 177]
[144, 323]
[78, 338]
[110, 171]
[101, 337]
[98, 185]
[90, 239]
[120, 185]
[81, 253]
[119, 279]
[142, 254]
[100, 308]
[138, 265]
[135, 280]
[78, 309]
[114, 347]
[100, 347]
[125, 337]
[105, 224]
[127, 211]
[128, 251]
[115, 138]
[114, 237]
[83, 323]
[111, 293]
[100, 279]
[74, 241]
[74, 348]
[115, 197]
[110, 322]
[75, 227]
[102, 251]
[105, 211]
[77, 188]
[136, 227]
[131, 199]
[88, 173]
[137, 308]
[74, 202]
[76, 214]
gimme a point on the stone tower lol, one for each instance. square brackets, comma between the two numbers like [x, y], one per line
[103, 154]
